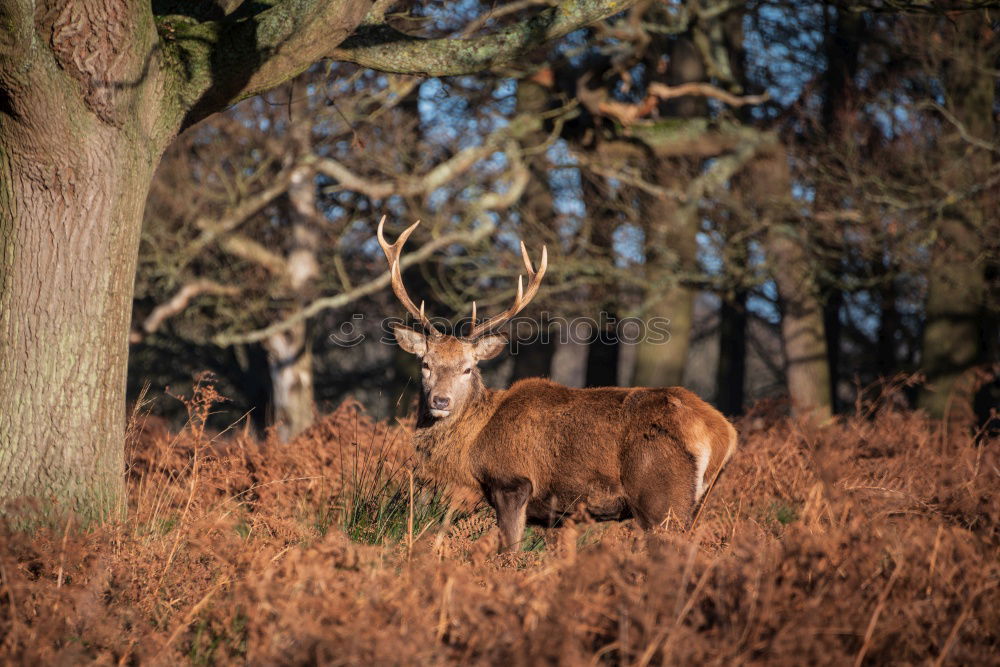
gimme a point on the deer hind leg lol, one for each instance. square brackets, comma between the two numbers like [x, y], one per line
[659, 484]
[509, 498]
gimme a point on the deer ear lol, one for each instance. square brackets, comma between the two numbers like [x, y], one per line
[414, 342]
[490, 346]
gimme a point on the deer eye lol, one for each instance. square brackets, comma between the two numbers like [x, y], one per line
[467, 371]
[426, 365]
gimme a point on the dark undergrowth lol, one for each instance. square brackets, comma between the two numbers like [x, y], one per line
[870, 540]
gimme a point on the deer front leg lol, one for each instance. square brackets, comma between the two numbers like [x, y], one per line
[509, 499]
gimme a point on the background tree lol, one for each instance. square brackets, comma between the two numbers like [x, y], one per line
[965, 52]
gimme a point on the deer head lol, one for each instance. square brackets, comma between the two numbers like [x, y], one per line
[449, 371]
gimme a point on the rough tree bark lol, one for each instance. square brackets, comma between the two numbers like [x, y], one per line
[77, 152]
[90, 96]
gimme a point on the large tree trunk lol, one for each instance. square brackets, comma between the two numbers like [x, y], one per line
[289, 357]
[886, 344]
[661, 364]
[670, 253]
[290, 352]
[951, 340]
[844, 33]
[533, 360]
[833, 302]
[75, 166]
[569, 360]
[957, 281]
[670, 240]
[730, 374]
[802, 333]
[601, 362]
[602, 357]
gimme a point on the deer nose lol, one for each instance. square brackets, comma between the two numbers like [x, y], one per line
[440, 402]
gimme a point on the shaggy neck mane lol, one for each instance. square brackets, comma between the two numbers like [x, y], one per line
[444, 443]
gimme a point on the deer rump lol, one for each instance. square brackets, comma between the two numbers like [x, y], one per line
[617, 453]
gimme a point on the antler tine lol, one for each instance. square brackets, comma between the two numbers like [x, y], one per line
[527, 260]
[472, 321]
[535, 279]
[523, 298]
[393, 251]
[392, 254]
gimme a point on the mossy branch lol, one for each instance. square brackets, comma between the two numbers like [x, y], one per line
[384, 48]
[218, 63]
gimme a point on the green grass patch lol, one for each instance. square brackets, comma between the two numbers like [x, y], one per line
[380, 502]
[781, 512]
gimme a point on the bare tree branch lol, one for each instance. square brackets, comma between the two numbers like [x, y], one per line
[847, 215]
[221, 230]
[629, 114]
[725, 167]
[490, 201]
[494, 201]
[359, 292]
[180, 301]
[248, 249]
[624, 175]
[443, 173]
[700, 137]
[665, 92]
[963, 131]
[212, 229]
[384, 48]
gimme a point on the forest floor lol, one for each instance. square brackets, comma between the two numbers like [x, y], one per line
[872, 539]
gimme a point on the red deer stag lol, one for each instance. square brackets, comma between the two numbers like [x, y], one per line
[540, 450]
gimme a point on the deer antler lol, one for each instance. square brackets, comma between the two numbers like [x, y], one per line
[522, 299]
[392, 253]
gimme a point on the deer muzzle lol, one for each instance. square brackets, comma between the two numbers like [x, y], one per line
[440, 406]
